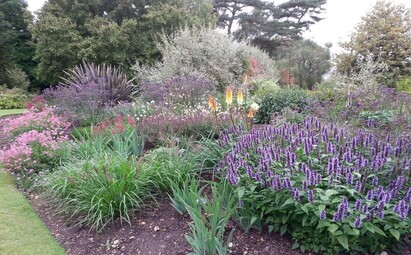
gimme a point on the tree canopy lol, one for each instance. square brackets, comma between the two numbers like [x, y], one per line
[16, 48]
[384, 34]
[113, 32]
[268, 25]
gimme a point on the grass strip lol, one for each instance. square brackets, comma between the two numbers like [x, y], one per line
[21, 230]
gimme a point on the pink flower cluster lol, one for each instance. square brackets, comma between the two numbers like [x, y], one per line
[43, 128]
[34, 120]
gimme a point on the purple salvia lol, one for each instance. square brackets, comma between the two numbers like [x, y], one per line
[370, 195]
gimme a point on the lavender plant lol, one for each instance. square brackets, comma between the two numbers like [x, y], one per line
[332, 190]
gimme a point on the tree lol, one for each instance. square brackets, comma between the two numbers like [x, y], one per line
[384, 35]
[304, 63]
[105, 31]
[16, 48]
[230, 11]
[268, 25]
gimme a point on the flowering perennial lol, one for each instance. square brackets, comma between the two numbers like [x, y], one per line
[315, 156]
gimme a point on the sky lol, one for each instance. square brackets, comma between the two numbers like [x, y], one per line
[340, 19]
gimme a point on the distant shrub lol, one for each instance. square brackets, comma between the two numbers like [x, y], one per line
[206, 53]
[12, 98]
[260, 88]
[179, 91]
[285, 98]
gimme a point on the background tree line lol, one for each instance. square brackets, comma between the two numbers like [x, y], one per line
[37, 51]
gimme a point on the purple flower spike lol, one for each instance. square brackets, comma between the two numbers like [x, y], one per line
[323, 215]
[375, 181]
[358, 222]
[296, 194]
[311, 196]
[358, 204]
[358, 186]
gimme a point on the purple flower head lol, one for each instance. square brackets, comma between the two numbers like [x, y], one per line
[364, 208]
[358, 222]
[311, 196]
[296, 194]
[358, 186]
[304, 185]
[358, 204]
[375, 181]
[323, 215]
[349, 178]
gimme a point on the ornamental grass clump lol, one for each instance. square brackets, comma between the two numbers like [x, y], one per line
[333, 190]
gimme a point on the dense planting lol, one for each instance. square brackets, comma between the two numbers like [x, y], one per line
[330, 188]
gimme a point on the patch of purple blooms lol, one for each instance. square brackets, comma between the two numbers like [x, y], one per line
[316, 156]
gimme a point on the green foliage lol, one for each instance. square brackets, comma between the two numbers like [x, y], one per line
[209, 216]
[188, 194]
[13, 99]
[97, 191]
[384, 24]
[306, 60]
[260, 88]
[16, 48]
[126, 144]
[168, 167]
[114, 32]
[383, 117]
[275, 103]
[268, 25]
[404, 84]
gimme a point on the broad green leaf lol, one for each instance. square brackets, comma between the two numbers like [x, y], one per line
[331, 192]
[343, 240]
[395, 233]
[379, 231]
[295, 246]
[332, 228]
[240, 192]
[283, 229]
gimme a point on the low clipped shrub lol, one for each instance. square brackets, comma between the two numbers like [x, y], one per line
[275, 102]
[333, 190]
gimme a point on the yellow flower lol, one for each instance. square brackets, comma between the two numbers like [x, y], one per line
[229, 95]
[240, 97]
[212, 103]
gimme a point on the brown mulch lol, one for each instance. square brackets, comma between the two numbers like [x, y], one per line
[159, 231]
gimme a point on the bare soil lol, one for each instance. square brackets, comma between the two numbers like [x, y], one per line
[159, 231]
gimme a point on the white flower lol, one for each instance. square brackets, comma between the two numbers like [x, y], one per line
[255, 106]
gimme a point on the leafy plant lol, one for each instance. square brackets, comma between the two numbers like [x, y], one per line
[108, 78]
[210, 217]
[95, 192]
[333, 191]
[276, 102]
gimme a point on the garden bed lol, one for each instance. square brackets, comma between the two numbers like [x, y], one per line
[155, 231]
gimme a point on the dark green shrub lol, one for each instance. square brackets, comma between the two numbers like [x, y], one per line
[295, 99]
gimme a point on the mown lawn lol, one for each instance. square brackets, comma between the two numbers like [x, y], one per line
[10, 112]
[21, 231]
